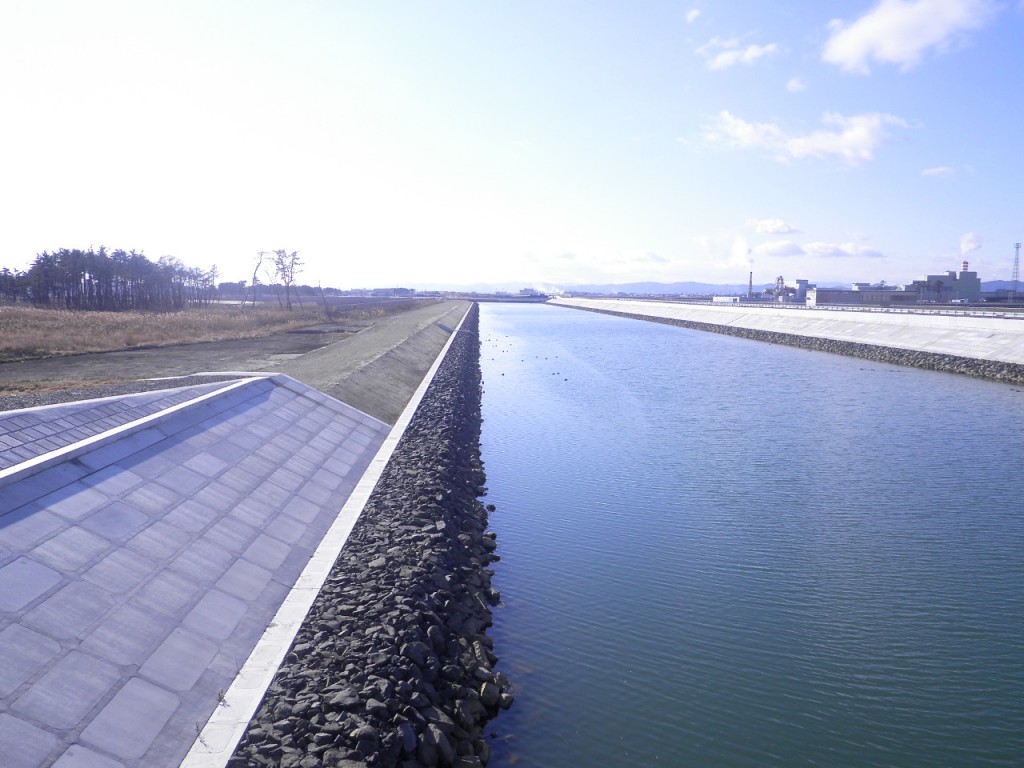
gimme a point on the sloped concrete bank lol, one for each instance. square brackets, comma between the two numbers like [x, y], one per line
[391, 666]
[985, 369]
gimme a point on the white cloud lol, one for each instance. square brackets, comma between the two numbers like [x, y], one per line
[969, 241]
[691, 15]
[853, 140]
[796, 85]
[901, 31]
[770, 227]
[842, 251]
[736, 132]
[939, 171]
[722, 54]
[778, 249]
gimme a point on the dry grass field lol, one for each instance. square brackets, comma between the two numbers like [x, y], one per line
[29, 332]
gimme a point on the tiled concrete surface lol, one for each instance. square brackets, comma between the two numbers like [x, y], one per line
[35, 431]
[136, 577]
[981, 337]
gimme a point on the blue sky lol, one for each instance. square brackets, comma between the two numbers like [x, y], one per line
[535, 143]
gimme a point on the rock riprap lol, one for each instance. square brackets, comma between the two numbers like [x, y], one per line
[392, 666]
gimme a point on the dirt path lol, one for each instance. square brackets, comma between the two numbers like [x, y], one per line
[385, 356]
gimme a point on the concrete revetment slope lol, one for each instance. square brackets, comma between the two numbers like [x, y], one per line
[942, 341]
[159, 551]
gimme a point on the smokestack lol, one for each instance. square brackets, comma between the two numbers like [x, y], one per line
[963, 267]
[750, 286]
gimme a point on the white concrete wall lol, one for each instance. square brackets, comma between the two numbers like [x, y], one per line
[982, 336]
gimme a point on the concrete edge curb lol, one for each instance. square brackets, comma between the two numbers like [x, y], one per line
[216, 743]
[37, 464]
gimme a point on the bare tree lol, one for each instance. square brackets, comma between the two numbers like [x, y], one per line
[286, 267]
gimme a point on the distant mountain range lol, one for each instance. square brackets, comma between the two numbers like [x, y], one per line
[657, 289]
[683, 289]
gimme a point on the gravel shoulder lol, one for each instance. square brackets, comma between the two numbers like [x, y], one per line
[384, 357]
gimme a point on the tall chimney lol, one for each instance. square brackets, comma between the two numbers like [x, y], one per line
[963, 267]
[750, 287]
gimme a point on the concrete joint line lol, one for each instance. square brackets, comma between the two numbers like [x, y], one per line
[37, 464]
[219, 738]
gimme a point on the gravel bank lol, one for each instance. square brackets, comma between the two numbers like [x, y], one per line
[984, 369]
[391, 666]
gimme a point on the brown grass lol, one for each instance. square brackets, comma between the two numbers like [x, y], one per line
[28, 332]
[42, 386]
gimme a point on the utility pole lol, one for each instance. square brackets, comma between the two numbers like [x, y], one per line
[1016, 273]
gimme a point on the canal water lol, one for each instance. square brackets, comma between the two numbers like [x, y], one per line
[720, 552]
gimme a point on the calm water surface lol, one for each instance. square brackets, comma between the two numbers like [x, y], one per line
[718, 552]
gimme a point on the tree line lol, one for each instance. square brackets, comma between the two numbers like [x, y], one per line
[114, 280]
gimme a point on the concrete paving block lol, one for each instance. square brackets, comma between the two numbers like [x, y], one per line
[239, 480]
[191, 516]
[119, 450]
[218, 497]
[303, 465]
[286, 479]
[206, 464]
[302, 510]
[232, 534]
[257, 465]
[73, 502]
[253, 511]
[77, 756]
[182, 479]
[66, 694]
[131, 721]
[316, 492]
[71, 612]
[71, 549]
[22, 654]
[337, 466]
[129, 634]
[290, 443]
[203, 561]
[216, 615]
[285, 528]
[244, 580]
[153, 499]
[262, 430]
[23, 581]
[245, 441]
[160, 541]
[328, 478]
[180, 660]
[273, 454]
[169, 594]
[117, 521]
[267, 552]
[28, 525]
[113, 481]
[323, 446]
[121, 571]
[272, 494]
[59, 475]
[22, 745]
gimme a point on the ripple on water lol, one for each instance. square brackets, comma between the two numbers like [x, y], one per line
[723, 553]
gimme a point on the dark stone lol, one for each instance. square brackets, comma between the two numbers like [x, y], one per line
[389, 665]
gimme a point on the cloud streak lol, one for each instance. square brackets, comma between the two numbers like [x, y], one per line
[851, 140]
[787, 249]
[723, 54]
[901, 31]
[770, 227]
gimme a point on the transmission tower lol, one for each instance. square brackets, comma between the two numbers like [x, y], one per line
[1016, 273]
